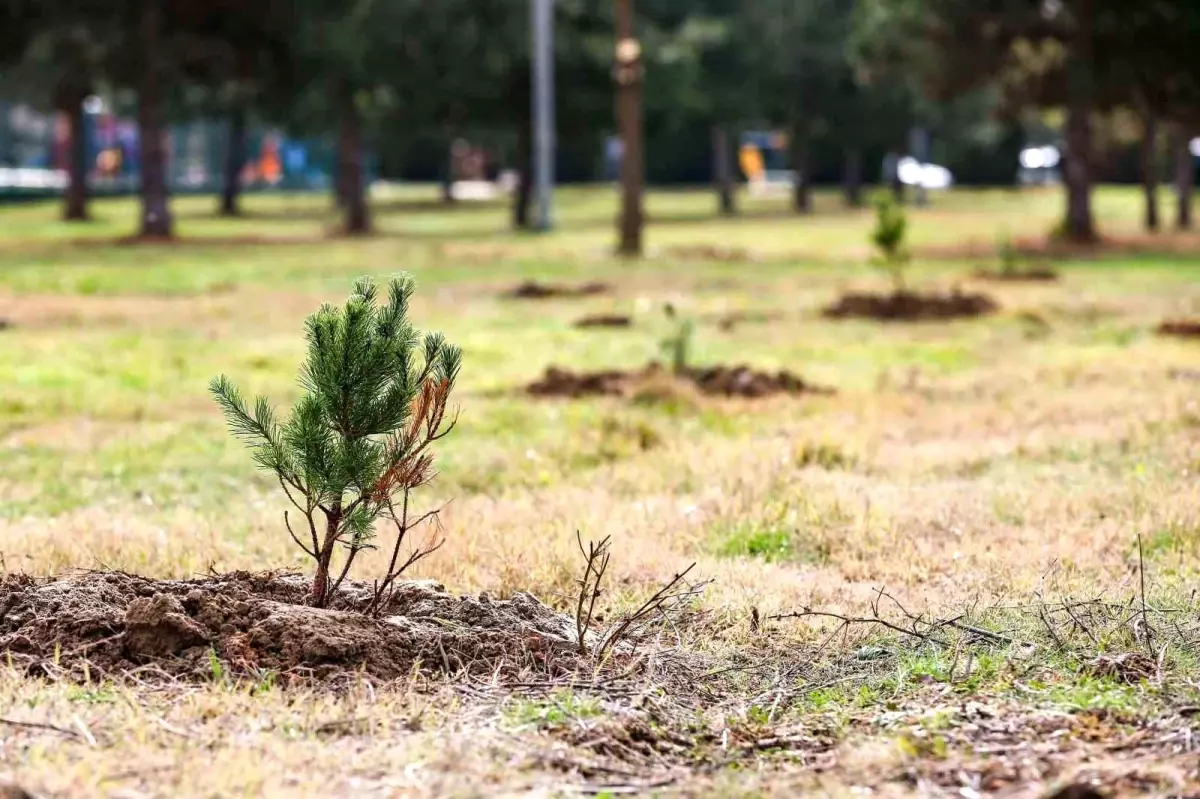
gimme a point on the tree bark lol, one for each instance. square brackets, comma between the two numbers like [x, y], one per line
[802, 188]
[629, 74]
[524, 193]
[852, 177]
[1150, 169]
[723, 171]
[156, 212]
[1079, 224]
[320, 586]
[75, 198]
[1185, 178]
[350, 168]
[235, 159]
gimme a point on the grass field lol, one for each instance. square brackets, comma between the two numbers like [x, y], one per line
[1000, 472]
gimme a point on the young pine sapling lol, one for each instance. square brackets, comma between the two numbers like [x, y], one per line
[891, 230]
[358, 442]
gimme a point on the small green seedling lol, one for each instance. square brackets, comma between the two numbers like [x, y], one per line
[677, 347]
[358, 441]
[889, 236]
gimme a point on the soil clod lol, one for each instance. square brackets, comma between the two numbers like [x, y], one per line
[729, 381]
[534, 290]
[1033, 274]
[911, 306]
[116, 622]
[1183, 328]
[605, 320]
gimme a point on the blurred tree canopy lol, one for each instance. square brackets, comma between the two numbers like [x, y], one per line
[845, 79]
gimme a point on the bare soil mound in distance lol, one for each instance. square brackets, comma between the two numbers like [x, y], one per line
[910, 306]
[728, 381]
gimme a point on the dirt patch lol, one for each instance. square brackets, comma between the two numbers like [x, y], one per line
[605, 320]
[1033, 274]
[5, 324]
[728, 381]
[911, 306]
[252, 623]
[728, 321]
[709, 252]
[1183, 328]
[533, 290]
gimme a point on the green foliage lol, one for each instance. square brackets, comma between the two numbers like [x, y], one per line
[677, 346]
[889, 237]
[374, 401]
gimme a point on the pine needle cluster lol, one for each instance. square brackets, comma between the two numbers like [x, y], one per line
[358, 441]
[889, 237]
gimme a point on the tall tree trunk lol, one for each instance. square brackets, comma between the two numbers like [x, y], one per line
[1080, 225]
[524, 193]
[156, 211]
[75, 198]
[852, 177]
[629, 75]
[350, 168]
[235, 159]
[1150, 169]
[802, 188]
[723, 171]
[1185, 177]
[448, 175]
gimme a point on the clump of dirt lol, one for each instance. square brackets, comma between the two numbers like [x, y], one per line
[605, 320]
[533, 290]
[709, 252]
[728, 321]
[5, 324]
[1183, 328]
[1032, 274]
[252, 623]
[911, 306]
[729, 381]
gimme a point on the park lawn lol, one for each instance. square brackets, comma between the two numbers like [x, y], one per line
[992, 467]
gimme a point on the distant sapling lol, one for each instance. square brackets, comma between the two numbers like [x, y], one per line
[889, 235]
[357, 443]
[677, 347]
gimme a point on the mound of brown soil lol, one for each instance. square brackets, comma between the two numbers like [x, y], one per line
[1031, 275]
[1184, 328]
[605, 320]
[911, 306]
[254, 622]
[533, 290]
[5, 324]
[729, 381]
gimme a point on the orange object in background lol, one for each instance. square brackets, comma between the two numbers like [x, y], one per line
[751, 161]
[270, 168]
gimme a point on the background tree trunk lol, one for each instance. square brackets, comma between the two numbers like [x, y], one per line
[448, 175]
[1150, 169]
[156, 212]
[75, 198]
[1185, 177]
[852, 177]
[629, 124]
[235, 159]
[1080, 225]
[350, 168]
[723, 171]
[524, 191]
[802, 188]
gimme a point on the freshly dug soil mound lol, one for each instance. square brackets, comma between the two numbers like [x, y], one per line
[4, 323]
[911, 306]
[533, 290]
[117, 622]
[1031, 275]
[729, 381]
[605, 320]
[1184, 328]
